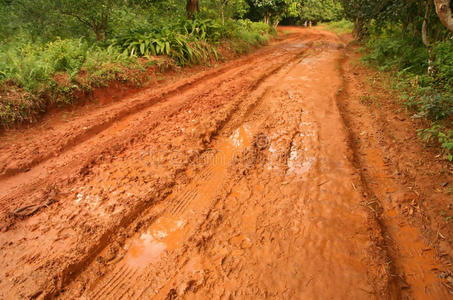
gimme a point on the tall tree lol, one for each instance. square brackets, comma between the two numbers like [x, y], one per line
[95, 15]
[192, 7]
[326, 10]
[269, 8]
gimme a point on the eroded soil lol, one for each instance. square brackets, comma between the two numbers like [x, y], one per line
[239, 182]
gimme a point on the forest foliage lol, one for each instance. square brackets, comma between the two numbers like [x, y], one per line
[410, 40]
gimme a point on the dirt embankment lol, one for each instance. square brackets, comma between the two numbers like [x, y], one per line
[406, 183]
[238, 182]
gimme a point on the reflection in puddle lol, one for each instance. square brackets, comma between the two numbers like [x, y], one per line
[273, 158]
[298, 166]
[241, 136]
[207, 187]
[164, 235]
[229, 148]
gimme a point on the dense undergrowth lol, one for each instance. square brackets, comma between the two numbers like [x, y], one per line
[425, 95]
[36, 75]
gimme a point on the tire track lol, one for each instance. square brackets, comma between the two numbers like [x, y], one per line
[87, 157]
[115, 195]
[200, 190]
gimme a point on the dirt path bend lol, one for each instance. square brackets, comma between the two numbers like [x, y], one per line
[236, 183]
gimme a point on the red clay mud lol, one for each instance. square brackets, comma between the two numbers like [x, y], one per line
[237, 182]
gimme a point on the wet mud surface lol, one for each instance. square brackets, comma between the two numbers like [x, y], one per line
[239, 182]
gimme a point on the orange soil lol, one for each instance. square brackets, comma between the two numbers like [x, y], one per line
[242, 182]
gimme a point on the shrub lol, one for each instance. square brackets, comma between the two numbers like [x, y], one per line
[391, 52]
[441, 135]
[435, 107]
[33, 67]
[443, 65]
[191, 41]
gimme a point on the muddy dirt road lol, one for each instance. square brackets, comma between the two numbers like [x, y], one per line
[233, 183]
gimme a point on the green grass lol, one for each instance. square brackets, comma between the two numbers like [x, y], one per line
[339, 27]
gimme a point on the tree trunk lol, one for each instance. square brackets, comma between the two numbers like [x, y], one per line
[425, 37]
[267, 16]
[445, 12]
[192, 7]
[425, 24]
[359, 28]
[403, 30]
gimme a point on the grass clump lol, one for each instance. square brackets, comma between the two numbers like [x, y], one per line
[340, 27]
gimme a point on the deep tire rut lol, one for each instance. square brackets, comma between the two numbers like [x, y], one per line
[201, 186]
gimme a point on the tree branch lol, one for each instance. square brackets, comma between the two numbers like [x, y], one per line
[425, 24]
[445, 13]
[80, 19]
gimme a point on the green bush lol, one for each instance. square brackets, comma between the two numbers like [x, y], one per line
[191, 41]
[33, 67]
[437, 133]
[391, 52]
[184, 49]
[443, 65]
[435, 107]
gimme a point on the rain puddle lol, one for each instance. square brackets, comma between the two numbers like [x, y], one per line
[232, 146]
[164, 235]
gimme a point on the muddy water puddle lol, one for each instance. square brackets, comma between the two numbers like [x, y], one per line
[164, 235]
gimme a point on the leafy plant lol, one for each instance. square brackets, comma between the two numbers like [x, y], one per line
[435, 107]
[441, 135]
[190, 41]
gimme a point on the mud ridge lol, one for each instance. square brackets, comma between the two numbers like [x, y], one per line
[392, 284]
[412, 274]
